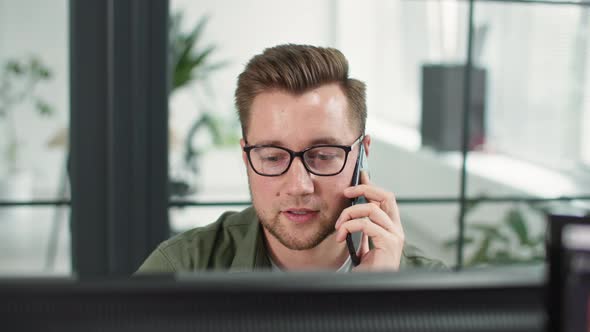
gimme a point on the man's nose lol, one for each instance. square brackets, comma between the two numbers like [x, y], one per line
[298, 179]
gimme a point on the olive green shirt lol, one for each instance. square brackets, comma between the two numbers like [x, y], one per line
[235, 242]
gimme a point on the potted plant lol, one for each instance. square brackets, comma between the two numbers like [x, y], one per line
[19, 79]
[508, 240]
[192, 64]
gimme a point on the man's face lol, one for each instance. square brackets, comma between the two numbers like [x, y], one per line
[298, 208]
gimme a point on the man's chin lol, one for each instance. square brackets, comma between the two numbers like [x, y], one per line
[297, 239]
[299, 245]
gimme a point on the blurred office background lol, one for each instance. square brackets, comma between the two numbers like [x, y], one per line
[528, 152]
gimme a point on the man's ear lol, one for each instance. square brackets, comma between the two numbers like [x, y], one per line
[244, 156]
[367, 143]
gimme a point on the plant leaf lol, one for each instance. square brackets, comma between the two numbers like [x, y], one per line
[504, 257]
[200, 57]
[481, 227]
[454, 242]
[489, 230]
[197, 31]
[481, 255]
[190, 62]
[187, 43]
[43, 107]
[209, 68]
[45, 73]
[516, 221]
[14, 67]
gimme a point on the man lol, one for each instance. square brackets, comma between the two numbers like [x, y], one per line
[303, 121]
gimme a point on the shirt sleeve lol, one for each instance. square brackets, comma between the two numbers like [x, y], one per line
[157, 262]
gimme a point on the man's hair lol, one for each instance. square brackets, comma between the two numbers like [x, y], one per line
[297, 69]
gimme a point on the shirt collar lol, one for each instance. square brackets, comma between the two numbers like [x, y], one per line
[250, 251]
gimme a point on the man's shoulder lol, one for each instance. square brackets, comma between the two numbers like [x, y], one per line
[230, 223]
[210, 246]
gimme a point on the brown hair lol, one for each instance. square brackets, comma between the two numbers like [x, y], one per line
[297, 69]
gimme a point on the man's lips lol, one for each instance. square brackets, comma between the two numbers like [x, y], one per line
[299, 215]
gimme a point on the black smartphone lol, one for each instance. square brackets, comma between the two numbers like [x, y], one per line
[361, 164]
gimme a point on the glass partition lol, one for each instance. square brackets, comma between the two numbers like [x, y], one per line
[34, 113]
[528, 100]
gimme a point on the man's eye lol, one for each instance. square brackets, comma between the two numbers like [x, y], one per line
[273, 158]
[322, 156]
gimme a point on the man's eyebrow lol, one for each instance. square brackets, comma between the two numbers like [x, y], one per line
[317, 141]
[267, 142]
[326, 140]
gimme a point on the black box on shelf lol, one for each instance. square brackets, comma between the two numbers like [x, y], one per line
[442, 106]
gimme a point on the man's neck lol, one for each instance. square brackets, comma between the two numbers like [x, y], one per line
[328, 255]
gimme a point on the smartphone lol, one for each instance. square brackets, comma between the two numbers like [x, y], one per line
[361, 164]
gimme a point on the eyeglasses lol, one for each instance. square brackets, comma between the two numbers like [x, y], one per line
[322, 160]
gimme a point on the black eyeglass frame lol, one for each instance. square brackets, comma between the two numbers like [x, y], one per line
[293, 154]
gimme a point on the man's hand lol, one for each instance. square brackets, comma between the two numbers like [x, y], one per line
[379, 220]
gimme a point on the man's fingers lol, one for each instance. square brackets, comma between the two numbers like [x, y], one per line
[364, 248]
[382, 240]
[359, 225]
[383, 199]
[370, 211]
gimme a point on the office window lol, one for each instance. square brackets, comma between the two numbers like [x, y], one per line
[537, 80]
[205, 159]
[34, 111]
[531, 82]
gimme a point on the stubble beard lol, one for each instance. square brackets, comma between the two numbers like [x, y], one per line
[299, 238]
[279, 229]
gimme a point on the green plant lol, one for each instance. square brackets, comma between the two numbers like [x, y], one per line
[190, 61]
[506, 241]
[18, 81]
[192, 65]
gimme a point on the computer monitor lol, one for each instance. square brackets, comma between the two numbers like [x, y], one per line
[569, 277]
[508, 299]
